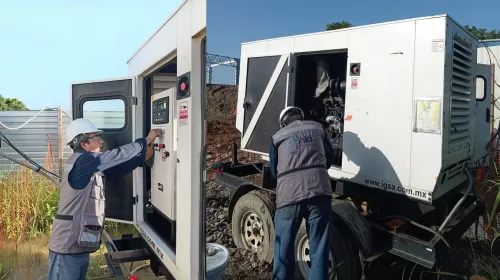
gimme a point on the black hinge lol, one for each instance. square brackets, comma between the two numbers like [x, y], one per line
[134, 100]
[290, 69]
[136, 199]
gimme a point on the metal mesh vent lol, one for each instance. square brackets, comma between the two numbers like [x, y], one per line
[461, 93]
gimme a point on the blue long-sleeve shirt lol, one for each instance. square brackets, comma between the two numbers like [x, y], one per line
[273, 156]
[113, 163]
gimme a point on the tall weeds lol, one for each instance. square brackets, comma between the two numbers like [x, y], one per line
[28, 203]
[27, 207]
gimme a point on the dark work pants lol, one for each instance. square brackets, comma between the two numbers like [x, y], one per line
[318, 212]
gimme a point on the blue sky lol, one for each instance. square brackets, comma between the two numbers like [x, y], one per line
[232, 22]
[46, 45]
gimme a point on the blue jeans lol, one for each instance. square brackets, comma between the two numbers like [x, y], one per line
[65, 267]
[318, 213]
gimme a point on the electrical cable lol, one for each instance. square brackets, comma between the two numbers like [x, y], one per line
[493, 137]
[139, 267]
[495, 151]
[38, 166]
[27, 122]
[112, 244]
[32, 168]
[438, 234]
[477, 220]
[418, 225]
[258, 169]
[462, 199]
[4, 139]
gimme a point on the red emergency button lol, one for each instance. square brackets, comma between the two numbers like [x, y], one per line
[355, 69]
[183, 86]
[161, 146]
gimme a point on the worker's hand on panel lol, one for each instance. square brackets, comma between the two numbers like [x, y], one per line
[152, 135]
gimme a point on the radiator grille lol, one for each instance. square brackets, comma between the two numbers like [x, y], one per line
[461, 93]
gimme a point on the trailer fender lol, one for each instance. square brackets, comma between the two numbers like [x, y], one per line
[349, 217]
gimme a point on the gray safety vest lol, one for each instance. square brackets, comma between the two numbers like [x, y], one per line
[79, 220]
[302, 171]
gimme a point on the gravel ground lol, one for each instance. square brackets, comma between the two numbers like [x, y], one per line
[243, 263]
[221, 132]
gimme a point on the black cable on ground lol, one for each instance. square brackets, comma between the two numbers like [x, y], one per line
[38, 166]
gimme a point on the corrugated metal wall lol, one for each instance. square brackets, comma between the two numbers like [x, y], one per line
[484, 58]
[32, 139]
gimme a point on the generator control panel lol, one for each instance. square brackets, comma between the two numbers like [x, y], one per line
[160, 110]
[163, 192]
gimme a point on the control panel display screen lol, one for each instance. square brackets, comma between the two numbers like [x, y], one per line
[160, 111]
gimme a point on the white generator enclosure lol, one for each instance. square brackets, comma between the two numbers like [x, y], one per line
[165, 89]
[397, 100]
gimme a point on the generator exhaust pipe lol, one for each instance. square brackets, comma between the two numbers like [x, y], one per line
[469, 189]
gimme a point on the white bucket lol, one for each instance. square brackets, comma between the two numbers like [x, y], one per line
[217, 257]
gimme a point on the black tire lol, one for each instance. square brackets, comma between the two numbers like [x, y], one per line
[346, 259]
[253, 211]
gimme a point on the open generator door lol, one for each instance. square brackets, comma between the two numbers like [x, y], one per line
[483, 117]
[267, 87]
[108, 104]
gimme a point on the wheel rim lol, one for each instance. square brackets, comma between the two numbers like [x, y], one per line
[303, 259]
[252, 231]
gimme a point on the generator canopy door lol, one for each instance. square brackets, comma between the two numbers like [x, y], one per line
[483, 116]
[108, 105]
[267, 80]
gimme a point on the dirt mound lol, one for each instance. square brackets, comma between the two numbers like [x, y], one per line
[221, 102]
[221, 133]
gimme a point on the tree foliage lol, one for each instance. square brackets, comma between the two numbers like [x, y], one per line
[338, 25]
[11, 104]
[483, 33]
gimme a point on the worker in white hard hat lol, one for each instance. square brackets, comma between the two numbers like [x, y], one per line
[299, 157]
[78, 224]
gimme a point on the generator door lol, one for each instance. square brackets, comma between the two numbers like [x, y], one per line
[484, 114]
[265, 96]
[109, 106]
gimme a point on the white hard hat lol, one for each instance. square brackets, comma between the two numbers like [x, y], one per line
[289, 109]
[79, 126]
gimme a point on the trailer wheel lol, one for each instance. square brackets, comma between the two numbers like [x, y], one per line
[252, 225]
[344, 261]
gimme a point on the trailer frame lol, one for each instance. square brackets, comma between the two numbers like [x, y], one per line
[420, 247]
